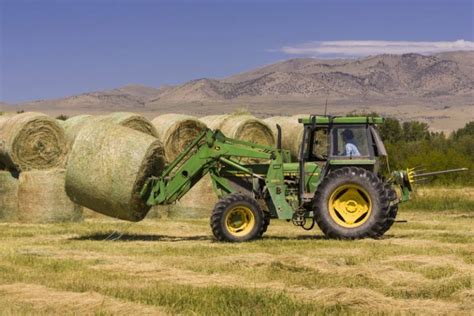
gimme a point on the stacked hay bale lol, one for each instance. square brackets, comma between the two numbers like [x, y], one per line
[176, 132]
[291, 132]
[73, 125]
[243, 127]
[31, 141]
[34, 146]
[239, 126]
[8, 197]
[108, 166]
[42, 198]
[292, 135]
[131, 120]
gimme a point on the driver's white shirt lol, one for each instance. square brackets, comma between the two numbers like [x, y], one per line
[351, 150]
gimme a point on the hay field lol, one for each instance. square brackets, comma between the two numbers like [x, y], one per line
[169, 266]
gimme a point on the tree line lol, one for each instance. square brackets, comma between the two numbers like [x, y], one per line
[412, 144]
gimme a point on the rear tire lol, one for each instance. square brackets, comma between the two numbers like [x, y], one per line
[351, 203]
[393, 208]
[238, 217]
[266, 223]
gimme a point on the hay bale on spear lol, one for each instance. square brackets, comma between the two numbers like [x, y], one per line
[108, 166]
[176, 132]
[131, 120]
[72, 126]
[31, 141]
[8, 197]
[42, 198]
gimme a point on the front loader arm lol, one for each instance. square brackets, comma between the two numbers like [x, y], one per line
[205, 154]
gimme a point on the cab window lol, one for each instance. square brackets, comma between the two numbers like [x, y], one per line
[320, 144]
[350, 141]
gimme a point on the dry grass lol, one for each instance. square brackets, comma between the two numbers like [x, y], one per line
[105, 266]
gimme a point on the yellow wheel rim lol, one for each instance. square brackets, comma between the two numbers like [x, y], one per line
[239, 221]
[350, 205]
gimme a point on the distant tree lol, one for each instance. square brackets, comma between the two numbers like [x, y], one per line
[62, 117]
[437, 137]
[415, 130]
[242, 110]
[363, 113]
[411, 144]
[467, 130]
[20, 111]
[391, 130]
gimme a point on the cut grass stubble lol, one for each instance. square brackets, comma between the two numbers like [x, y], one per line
[175, 266]
[170, 265]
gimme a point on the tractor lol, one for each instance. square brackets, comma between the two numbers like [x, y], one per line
[340, 181]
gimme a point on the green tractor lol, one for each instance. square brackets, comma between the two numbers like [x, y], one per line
[338, 181]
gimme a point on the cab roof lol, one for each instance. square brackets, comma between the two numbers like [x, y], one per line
[325, 120]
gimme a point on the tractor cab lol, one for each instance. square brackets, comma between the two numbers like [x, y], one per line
[337, 141]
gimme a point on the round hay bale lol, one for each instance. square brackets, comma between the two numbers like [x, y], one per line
[108, 166]
[42, 198]
[176, 132]
[177, 211]
[291, 132]
[130, 120]
[243, 127]
[73, 125]
[8, 197]
[30, 141]
[201, 198]
[198, 202]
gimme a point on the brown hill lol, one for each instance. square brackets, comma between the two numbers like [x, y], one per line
[394, 76]
[131, 97]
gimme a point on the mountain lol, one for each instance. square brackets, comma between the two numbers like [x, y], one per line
[465, 60]
[131, 97]
[438, 89]
[394, 76]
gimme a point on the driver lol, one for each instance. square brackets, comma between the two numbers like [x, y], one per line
[350, 147]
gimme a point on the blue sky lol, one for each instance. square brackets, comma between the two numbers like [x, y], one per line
[51, 49]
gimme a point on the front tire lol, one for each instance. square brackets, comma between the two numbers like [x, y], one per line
[236, 218]
[351, 203]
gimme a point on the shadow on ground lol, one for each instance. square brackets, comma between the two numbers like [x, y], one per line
[116, 236]
[301, 237]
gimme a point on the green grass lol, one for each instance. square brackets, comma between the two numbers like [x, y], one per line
[441, 199]
[442, 203]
